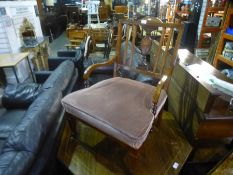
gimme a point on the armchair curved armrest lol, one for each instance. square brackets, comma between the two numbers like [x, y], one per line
[91, 68]
[158, 89]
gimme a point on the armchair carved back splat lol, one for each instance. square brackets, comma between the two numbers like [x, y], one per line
[147, 47]
[144, 51]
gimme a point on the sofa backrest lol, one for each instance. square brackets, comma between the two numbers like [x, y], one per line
[60, 77]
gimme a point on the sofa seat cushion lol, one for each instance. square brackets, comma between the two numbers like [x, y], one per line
[118, 107]
[95, 78]
[20, 95]
[32, 129]
[9, 119]
[61, 76]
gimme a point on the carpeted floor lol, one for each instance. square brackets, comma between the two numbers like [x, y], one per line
[59, 42]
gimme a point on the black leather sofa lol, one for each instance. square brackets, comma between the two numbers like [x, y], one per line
[29, 136]
[76, 56]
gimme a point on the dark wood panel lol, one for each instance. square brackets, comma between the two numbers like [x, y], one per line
[215, 129]
[201, 110]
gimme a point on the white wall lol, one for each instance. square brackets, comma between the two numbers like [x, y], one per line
[15, 13]
[10, 41]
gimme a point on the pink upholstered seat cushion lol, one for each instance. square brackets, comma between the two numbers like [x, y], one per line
[119, 107]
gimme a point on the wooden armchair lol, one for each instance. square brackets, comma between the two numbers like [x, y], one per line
[76, 37]
[102, 40]
[122, 108]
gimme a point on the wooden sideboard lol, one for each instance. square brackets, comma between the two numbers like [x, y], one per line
[201, 110]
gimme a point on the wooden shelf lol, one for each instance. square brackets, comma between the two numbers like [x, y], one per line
[227, 36]
[205, 46]
[177, 14]
[224, 60]
[206, 29]
[219, 58]
[215, 9]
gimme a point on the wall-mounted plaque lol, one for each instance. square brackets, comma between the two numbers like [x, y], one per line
[2, 11]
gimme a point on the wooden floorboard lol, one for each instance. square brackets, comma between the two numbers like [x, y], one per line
[225, 166]
[165, 148]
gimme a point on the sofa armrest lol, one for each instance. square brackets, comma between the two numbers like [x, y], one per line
[41, 76]
[65, 53]
[71, 53]
[54, 62]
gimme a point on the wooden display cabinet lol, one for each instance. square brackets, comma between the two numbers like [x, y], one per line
[219, 59]
[182, 11]
[212, 26]
[201, 110]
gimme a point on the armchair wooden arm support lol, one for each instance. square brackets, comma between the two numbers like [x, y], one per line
[158, 88]
[91, 68]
